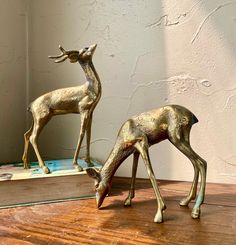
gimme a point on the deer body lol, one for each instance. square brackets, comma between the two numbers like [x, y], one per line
[136, 136]
[64, 101]
[80, 99]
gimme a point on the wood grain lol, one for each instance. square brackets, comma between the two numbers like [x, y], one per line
[80, 222]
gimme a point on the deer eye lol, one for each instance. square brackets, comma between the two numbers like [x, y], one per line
[96, 185]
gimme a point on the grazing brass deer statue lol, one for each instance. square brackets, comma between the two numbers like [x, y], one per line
[171, 122]
[80, 99]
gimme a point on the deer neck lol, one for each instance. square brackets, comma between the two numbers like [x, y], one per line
[91, 76]
[116, 157]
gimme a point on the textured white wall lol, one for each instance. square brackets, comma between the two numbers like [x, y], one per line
[12, 78]
[150, 53]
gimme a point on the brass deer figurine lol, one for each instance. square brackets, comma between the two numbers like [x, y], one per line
[137, 134]
[80, 99]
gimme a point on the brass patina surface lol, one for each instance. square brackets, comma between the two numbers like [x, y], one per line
[137, 134]
[80, 99]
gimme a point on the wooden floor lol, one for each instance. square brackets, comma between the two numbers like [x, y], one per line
[79, 222]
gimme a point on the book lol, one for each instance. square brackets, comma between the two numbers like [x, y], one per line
[23, 187]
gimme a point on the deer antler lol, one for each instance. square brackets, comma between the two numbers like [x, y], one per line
[63, 55]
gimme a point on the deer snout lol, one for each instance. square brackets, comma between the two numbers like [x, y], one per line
[101, 193]
[99, 200]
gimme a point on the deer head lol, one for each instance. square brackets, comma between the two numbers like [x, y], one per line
[82, 55]
[101, 187]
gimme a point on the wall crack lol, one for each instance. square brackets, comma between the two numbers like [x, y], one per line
[196, 34]
[167, 21]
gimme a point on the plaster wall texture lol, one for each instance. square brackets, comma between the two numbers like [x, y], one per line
[150, 53]
[13, 17]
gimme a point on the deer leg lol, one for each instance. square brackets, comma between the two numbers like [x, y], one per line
[185, 148]
[132, 187]
[26, 147]
[88, 138]
[38, 126]
[200, 199]
[199, 165]
[182, 144]
[83, 127]
[193, 191]
[142, 147]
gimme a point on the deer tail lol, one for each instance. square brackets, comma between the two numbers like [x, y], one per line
[194, 119]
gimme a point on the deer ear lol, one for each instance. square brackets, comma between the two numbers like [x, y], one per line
[93, 173]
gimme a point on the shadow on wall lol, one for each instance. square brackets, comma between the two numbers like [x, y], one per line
[12, 80]
[139, 62]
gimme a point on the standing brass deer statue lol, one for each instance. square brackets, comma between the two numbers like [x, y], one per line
[171, 122]
[80, 99]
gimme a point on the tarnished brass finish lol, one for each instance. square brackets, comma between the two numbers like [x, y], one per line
[80, 99]
[171, 122]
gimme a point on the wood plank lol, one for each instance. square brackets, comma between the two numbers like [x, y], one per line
[80, 222]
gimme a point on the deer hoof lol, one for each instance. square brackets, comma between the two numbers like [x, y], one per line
[196, 213]
[26, 166]
[158, 218]
[78, 168]
[26, 163]
[46, 170]
[127, 202]
[184, 202]
[89, 163]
